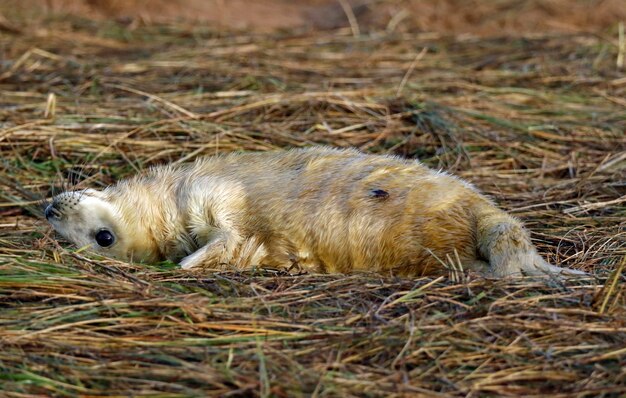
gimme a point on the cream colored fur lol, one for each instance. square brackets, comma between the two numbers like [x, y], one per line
[325, 210]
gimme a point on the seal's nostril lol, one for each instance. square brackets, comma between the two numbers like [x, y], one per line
[48, 212]
[52, 212]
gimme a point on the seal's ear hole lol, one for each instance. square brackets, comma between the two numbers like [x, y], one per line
[105, 238]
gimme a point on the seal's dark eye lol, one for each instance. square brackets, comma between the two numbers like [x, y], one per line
[105, 238]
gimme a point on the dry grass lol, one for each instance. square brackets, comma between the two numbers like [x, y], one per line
[538, 123]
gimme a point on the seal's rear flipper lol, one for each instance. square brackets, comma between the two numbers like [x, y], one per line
[541, 268]
[503, 241]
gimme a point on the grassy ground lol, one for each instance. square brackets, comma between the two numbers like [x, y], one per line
[538, 123]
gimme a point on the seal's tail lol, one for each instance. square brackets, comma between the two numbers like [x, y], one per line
[506, 244]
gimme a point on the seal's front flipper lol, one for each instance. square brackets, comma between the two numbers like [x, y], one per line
[217, 251]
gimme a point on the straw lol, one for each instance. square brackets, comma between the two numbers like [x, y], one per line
[532, 122]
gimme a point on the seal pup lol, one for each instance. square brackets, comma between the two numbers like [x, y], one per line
[323, 209]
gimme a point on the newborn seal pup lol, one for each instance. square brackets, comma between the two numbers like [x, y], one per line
[326, 210]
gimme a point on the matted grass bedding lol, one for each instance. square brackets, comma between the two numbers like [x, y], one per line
[535, 122]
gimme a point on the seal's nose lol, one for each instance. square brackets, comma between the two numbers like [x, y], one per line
[51, 212]
[48, 212]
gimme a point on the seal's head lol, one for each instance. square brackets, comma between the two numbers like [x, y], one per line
[96, 219]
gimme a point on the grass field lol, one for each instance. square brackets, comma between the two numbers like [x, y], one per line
[537, 122]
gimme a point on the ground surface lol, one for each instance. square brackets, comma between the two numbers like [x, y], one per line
[537, 121]
[480, 17]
